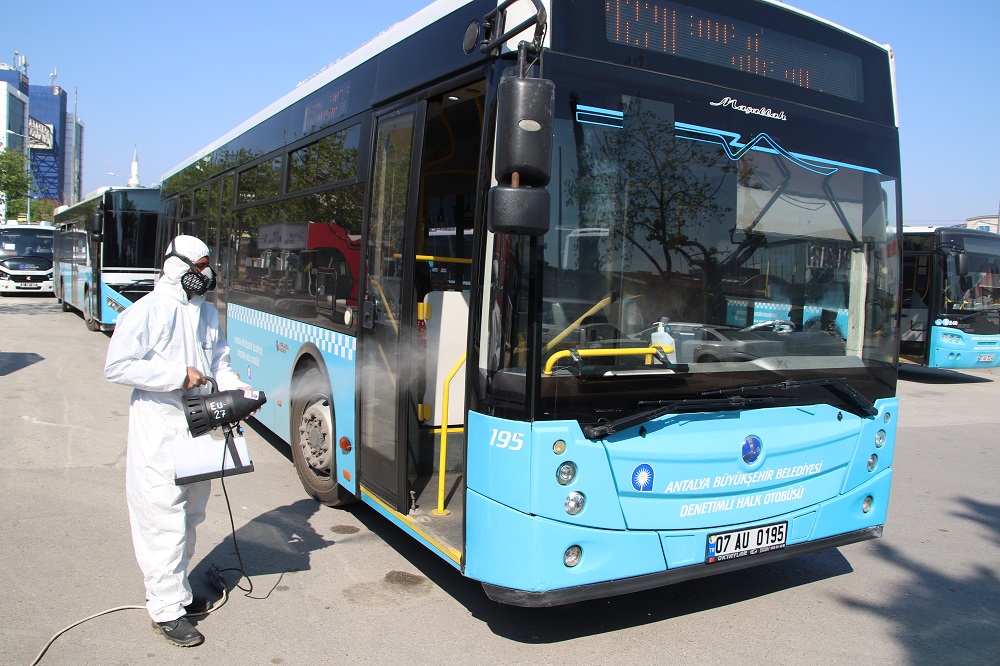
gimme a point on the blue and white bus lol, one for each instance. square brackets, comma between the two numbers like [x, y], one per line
[105, 252]
[951, 298]
[727, 172]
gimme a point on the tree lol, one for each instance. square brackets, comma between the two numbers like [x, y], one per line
[43, 210]
[14, 179]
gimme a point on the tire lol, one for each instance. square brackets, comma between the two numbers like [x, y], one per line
[62, 294]
[88, 319]
[312, 439]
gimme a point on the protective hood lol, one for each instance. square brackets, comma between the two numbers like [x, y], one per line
[174, 268]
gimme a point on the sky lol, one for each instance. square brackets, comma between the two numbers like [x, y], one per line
[170, 78]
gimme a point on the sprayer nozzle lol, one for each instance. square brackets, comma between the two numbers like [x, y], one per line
[206, 412]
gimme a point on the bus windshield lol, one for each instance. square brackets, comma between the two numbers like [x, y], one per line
[22, 242]
[978, 288]
[752, 254]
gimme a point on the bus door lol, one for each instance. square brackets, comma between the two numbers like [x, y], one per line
[387, 308]
[415, 317]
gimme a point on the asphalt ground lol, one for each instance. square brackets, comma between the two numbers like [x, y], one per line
[343, 585]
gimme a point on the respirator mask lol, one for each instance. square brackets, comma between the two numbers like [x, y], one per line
[197, 282]
[204, 413]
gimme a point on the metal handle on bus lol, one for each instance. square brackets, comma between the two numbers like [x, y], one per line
[498, 17]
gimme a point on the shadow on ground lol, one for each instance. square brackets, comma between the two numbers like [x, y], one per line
[922, 375]
[11, 362]
[943, 616]
[279, 541]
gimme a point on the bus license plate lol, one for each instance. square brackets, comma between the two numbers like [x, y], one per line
[740, 543]
[986, 358]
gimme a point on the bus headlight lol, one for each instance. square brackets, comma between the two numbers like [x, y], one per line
[872, 462]
[574, 503]
[880, 439]
[559, 447]
[565, 473]
[572, 556]
[115, 305]
[866, 505]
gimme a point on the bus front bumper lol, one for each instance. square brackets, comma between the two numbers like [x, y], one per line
[506, 595]
[21, 286]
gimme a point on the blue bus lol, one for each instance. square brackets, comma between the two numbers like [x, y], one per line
[951, 298]
[105, 249]
[453, 259]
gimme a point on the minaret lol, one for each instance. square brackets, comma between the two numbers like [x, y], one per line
[133, 179]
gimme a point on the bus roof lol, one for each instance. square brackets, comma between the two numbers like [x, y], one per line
[331, 72]
[836, 26]
[14, 224]
[397, 33]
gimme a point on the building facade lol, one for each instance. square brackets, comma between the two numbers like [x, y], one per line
[38, 117]
[983, 223]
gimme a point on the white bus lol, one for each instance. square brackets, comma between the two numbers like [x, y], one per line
[25, 258]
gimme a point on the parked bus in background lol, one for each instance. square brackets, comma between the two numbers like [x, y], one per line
[25, 258]
[951, 297]
[105, 252]
[499, 393]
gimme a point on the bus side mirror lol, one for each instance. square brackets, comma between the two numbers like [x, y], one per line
[518, 210]
[97, 227]
[962, 263]
[520, 203]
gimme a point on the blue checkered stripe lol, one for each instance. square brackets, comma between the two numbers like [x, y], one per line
[326, 340]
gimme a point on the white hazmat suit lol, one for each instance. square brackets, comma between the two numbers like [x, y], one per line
[154, 342]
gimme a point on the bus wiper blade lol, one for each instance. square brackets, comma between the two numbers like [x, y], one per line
[133, 285]
[837, 384]
[977, 313]
[605, 428]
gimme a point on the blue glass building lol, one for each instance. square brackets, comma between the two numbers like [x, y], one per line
[48, 134]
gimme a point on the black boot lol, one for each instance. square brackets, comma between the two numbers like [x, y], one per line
[180, 632]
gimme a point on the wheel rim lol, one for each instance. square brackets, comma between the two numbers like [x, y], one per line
[316, 436]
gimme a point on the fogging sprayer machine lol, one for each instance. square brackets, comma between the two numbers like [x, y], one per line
[203, 456]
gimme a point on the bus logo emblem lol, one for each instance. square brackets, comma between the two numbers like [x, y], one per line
[642, 478]
[752, 447]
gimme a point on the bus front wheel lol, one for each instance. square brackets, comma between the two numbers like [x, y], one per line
[88, 316]
[313, 439]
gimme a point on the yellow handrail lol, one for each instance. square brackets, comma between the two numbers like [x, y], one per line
[431, 257]
[649, 352]
[445, 428]
[559, 338]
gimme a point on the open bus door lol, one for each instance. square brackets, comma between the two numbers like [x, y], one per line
[384, 421]
[415, 312]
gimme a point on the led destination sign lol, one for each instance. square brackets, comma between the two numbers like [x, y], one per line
[687, 32]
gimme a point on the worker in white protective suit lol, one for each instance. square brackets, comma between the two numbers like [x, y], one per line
[164, 346]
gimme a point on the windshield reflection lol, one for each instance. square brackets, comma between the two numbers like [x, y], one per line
[742, 249]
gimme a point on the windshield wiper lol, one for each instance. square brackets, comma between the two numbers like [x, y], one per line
[133, 285]
[976, 313]
[837, 384]
[604, 428]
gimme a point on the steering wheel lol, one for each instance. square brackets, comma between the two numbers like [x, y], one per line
[779, 326]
